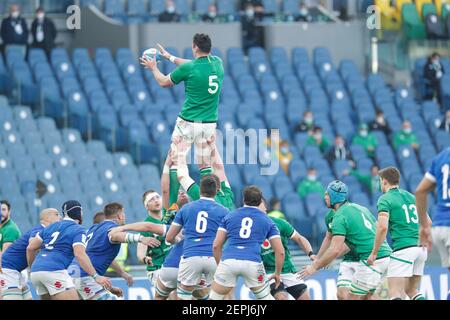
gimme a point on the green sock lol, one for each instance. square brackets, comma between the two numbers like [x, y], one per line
[419, 296]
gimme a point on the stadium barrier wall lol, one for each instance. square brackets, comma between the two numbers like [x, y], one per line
[435, 285]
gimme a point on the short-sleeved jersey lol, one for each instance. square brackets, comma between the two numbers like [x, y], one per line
[350, 256]
[357, 224]
[224, 197]
[160, 253]
[267, 253]
[10, 232]
[58, 241]
[403, 218]
[200, 220]
[15, 257]
[439, 173]
[202, 79]
[247, 228]
[100, 249]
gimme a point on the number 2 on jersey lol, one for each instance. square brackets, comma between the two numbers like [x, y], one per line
[55, 236]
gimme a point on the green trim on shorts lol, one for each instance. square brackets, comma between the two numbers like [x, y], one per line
[367, 265]
[357, 291]
[401, 260]
[344, 283]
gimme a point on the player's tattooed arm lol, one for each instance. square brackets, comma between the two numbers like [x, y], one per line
[33, 247]
[220, 239]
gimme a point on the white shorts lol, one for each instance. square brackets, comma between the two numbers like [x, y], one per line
[153, 276]
[89, 289]
[346, 271]
[14, 285]
[51, 282]
[288, 279]
[193, 131]
[253, 273]
[367, 278]
[168, 277]
[407, 262]
[441, 240]
[195, 269]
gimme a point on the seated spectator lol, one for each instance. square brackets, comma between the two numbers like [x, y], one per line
[275, 209]
[284, 156]
[370, 181]
[406, 137]
[365, 139]
[310, 184]
[339, 151]
[433, 71]
[445, 124]
[380, 124]
[307, 124]
[303, 14]
[169, 15]
[211, 16]
[14, 29]
[318, 139]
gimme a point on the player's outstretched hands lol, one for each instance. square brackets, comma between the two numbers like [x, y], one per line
[128, 278]
[116, 291]
[277, 279]
[151, 242]
[104, 282]
[148, 63]
[307, 271]
[163, 52]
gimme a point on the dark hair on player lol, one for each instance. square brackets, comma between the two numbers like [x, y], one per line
[391, 174]
[208, 186]
[112, 209]
[6, 203]
[203, 42]
[99, 217]
[252, 196]
[146, 193]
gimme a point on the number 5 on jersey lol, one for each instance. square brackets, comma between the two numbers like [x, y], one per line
[213, 86]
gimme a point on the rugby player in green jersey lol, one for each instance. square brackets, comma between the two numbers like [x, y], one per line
[354, 226]
[397, 213]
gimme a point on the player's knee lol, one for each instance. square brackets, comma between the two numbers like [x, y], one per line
[161, 291]
[216, 296]
[184, 294]
[342, 294]
[263, 293]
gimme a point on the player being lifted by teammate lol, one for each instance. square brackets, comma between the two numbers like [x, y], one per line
[14, 260]
[354, 226]
[245, 230]
[59, 243]
[200, 220]
[202, 79]
[397, 212]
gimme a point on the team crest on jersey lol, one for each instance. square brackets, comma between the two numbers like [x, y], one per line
[2, 283]
[58, 285]
[87, 290]
[266, 245]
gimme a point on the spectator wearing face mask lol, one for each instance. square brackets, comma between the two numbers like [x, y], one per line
[14, 29]
[169, 15]
[380, 124]
[445, 124]
[371, 181]
[307, 124]
[339, 151]
[303, 14]
[310, 184]
[211, 16]
[433, 71]
[406, 137]
[251, 34]
[318, 139]
[43, 31]
[284, 156]
[257, 5]
[365, 139]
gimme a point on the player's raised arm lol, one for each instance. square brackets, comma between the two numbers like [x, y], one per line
[183, 171]
[33, 247]
[217, 162]
[166, 55]
[165, 183]
[163, 80]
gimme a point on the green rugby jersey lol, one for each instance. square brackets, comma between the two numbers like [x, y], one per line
[268, 255]
[158, 254]
[350, 256]
[203, 79]
[10, 232]
[357, 224]
[403, 218]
